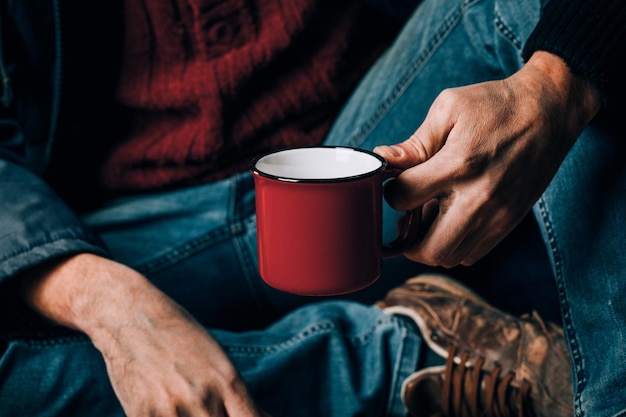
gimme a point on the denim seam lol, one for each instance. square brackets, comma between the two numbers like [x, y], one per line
[184, 250]
[506, 31]
[43, 341]
[449, 22]
[317, 329]
[238, 227]
[246, 262]
[245, 259]
[406, 364]
[237, 224]
[50, 240]
[579, 368]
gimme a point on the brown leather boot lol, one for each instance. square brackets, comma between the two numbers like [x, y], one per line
[496, 364]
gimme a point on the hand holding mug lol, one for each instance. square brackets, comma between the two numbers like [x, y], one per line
[319, 219]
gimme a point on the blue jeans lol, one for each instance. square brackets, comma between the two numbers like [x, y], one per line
[338, 358]
[199, 244]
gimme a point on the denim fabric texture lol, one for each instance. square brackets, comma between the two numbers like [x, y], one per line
[199, 246]
[311, 363]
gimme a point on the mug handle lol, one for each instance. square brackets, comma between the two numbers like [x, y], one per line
[409, 231]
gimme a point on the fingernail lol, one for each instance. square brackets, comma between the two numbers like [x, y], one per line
[392, 151]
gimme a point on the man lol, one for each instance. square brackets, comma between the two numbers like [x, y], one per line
[185, 239]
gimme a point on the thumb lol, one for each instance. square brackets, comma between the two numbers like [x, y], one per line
[418, 148]
[422, 145]
[402, 155]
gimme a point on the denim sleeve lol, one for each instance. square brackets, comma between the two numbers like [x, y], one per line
[35, 224]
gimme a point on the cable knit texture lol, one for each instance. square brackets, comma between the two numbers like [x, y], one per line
[588, 36]
[213, 83]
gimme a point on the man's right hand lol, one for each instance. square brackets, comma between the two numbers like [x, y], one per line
[483, 156]
[159, 359]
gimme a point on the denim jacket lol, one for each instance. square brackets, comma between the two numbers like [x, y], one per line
[35, 223]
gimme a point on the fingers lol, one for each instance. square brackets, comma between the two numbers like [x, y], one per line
[451, 205]
[429, 166]
[240, 403]
[404, 155]
[427, 140]
[415, 186]
[444, 232]
[459, 233]
[487, 235]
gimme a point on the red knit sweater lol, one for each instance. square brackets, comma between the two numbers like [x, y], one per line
[213, 83]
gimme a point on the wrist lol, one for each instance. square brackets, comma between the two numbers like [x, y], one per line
[80, 290]
[582, 98]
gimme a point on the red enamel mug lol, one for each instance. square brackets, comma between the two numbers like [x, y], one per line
[319, 219]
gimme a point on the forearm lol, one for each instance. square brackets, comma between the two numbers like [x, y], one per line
[590, 36]
[580, 97]
[90, 293]
[158, 357]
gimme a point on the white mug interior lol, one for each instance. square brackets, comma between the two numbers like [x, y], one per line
[318, 163]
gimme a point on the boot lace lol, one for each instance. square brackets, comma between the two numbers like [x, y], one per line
[470, 391]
